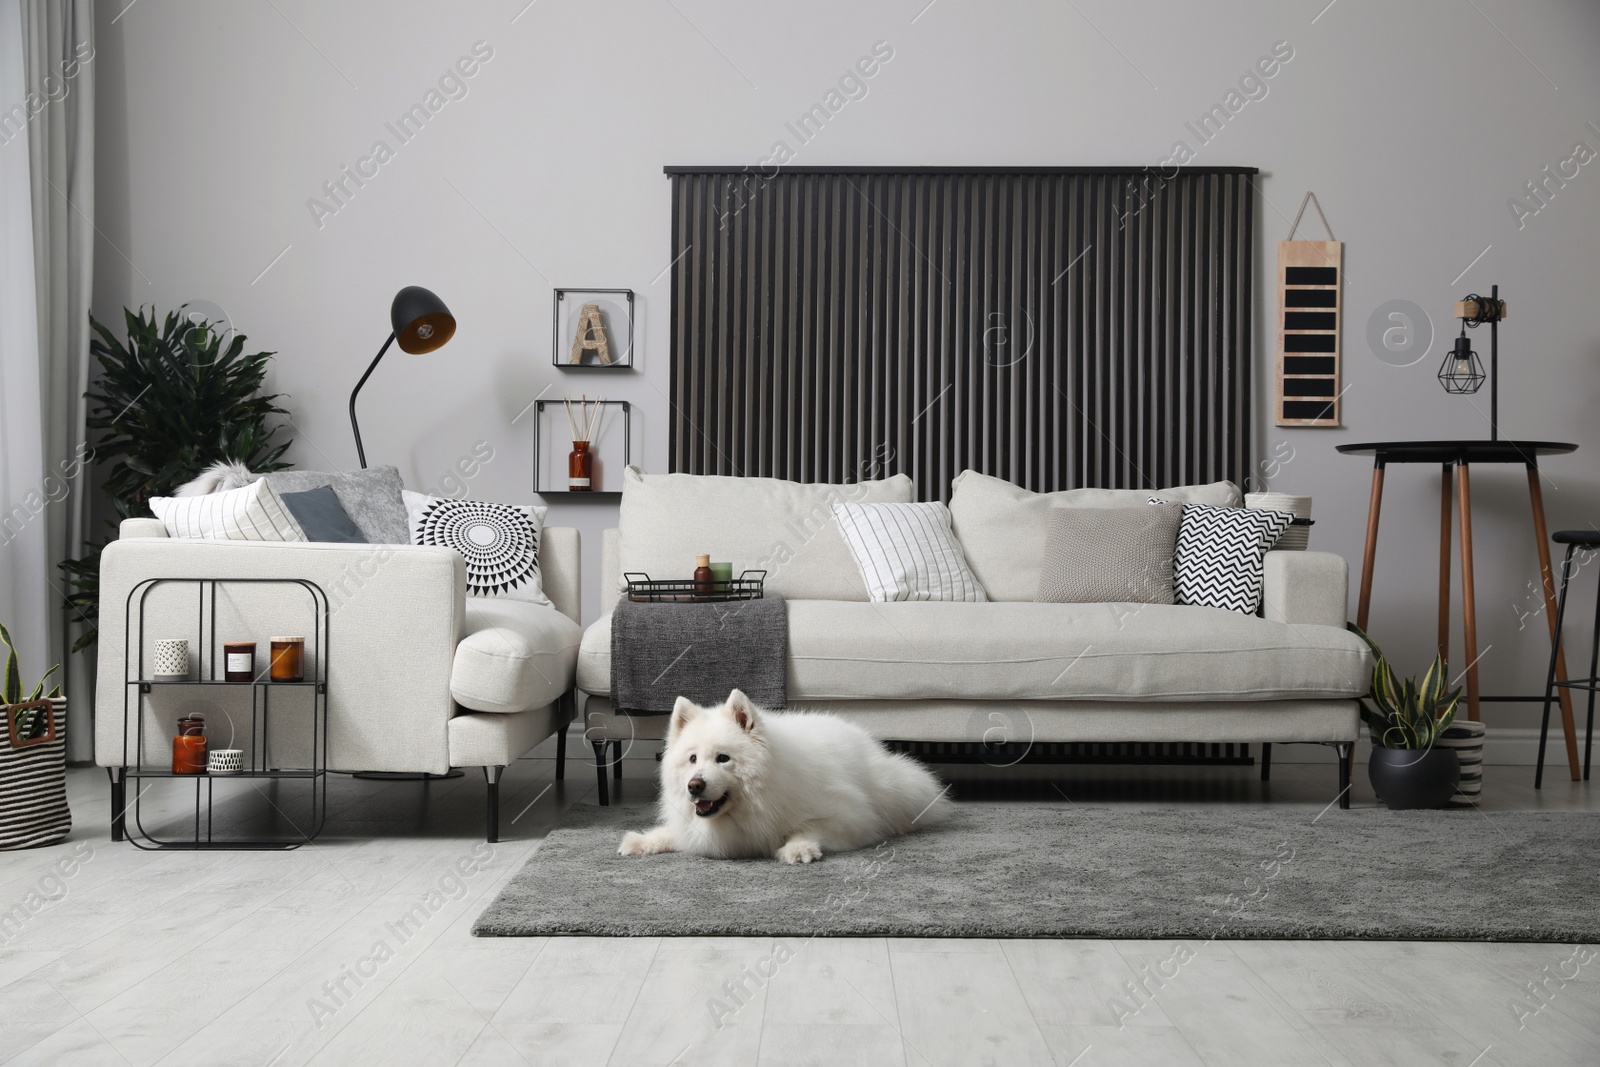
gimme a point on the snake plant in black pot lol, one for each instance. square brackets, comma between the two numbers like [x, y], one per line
[1405, 719]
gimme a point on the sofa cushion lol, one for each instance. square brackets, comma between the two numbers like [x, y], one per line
[515, 656]
[784, 528]
[907, 552]
[1002, 527]
[1027, 651]
[371, 498]
[1105, 555]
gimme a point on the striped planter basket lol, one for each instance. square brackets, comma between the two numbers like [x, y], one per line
[1466, 738]
[33, 774]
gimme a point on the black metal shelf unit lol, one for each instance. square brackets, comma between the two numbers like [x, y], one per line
[568, 495]
[141, 764]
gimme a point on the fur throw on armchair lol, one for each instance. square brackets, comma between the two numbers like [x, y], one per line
[221, 476]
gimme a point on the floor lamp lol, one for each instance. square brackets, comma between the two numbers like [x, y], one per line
[421, 324]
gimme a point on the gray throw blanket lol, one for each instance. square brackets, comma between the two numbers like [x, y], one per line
[660, 652]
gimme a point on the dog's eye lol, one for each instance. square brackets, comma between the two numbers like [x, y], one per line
[722, 757]
[693, 758]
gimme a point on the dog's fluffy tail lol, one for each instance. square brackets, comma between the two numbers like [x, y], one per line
[912, 797]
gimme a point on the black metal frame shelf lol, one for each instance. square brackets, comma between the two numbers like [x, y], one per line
[555, 331]
[569, 494]
[136, 761]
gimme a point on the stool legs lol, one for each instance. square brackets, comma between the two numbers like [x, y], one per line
[1550, 674]
[1541, 535]
[1594, 680]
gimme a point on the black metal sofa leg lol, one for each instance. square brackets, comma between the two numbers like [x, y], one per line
[1343, 748]
[119, 802]
[492, 777]
[616, 760]
[561, 742]
[1266, 760]
[600, 772]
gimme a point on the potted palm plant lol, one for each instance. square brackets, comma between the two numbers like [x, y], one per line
[1405, 719]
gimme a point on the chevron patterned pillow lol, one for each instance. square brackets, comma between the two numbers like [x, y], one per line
[1221, 553]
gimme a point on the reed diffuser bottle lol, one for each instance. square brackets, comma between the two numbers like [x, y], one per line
[580, 461]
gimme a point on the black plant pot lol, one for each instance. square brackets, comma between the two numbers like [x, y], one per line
[1407, 778]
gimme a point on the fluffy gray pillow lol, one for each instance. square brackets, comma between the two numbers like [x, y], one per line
[1109, 555]
[371, 498]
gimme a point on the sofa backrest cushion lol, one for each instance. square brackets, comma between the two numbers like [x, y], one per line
[785, 528]
[1002, 527]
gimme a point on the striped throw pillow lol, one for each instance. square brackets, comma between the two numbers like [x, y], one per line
[251, 513]
[907, 552]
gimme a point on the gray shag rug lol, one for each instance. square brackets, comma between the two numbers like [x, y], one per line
[1019, 870]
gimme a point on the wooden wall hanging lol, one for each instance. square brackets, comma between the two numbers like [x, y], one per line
[1310, 314]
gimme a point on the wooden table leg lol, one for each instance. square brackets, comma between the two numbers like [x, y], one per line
[1446, 500]
[1542, 534]
[1469, 617]
[1373, 507]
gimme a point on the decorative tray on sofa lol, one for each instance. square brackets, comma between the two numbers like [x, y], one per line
[642, 589]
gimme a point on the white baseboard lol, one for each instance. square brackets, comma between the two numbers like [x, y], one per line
[1507, 746]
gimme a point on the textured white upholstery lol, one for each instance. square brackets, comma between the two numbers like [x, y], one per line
[489, 740]
[398, 613]
[516, 655]
[1041, 721]
[785, 528]
[840, 650]
[1306, 587]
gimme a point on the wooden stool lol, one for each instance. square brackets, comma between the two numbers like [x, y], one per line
[1589, 541]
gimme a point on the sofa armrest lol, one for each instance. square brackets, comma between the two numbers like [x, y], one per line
[1306, 587]
[561, 570]
[610, 569]
[396, 616]
[137, 529]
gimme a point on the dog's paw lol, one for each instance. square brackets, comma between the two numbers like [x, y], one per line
[800, 852]
[634, 844]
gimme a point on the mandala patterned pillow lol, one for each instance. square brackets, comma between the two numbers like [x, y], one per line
[1221, 553]
[500, 542]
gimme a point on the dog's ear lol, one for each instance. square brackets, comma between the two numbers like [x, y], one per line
[683, 709]
[743, 712]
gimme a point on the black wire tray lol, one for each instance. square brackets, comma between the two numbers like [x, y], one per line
[642, 589]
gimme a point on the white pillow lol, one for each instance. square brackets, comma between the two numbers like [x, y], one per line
[1003, 527]
[907, 552]
[250, 513]
[500, 542]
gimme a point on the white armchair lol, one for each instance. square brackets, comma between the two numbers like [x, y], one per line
[421, 678]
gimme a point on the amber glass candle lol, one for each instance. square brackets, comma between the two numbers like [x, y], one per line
[288, 659]
[189, 746]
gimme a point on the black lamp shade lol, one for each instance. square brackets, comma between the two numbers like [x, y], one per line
[421, 321]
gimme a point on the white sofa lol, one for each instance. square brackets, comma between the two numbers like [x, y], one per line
[1008, 670]
[421, 678]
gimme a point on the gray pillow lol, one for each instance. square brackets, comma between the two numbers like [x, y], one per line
[371, 498]
[1109, 555]
[322, 517]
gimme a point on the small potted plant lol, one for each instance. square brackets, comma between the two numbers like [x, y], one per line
[1405, 719]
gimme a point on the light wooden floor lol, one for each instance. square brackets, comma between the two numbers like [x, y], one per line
[251, 958]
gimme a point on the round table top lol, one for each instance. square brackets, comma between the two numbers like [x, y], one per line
[1475, 451]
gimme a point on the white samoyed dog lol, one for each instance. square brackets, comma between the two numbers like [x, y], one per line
[739, 781]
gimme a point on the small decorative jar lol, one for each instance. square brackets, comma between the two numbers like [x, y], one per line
[288, 659]
[172, 660]
[239, 661]
[225, 761]
[189, 745]
[580, 468]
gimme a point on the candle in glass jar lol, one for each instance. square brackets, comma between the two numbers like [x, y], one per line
[189, 745]
[239, 661]
[288, 659]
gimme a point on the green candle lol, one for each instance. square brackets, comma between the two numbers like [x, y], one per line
[722, 574]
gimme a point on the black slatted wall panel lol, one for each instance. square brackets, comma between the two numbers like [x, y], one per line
[1055, 327]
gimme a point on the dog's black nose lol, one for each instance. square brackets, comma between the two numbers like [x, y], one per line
[697, 786]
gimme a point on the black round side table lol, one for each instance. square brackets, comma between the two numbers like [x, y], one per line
[1456, 458]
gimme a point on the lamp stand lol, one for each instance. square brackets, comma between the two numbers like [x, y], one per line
[360, 452]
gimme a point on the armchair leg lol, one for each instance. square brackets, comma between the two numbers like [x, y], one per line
[616, 757]
[600, 772]
[1344, 748]
[561, 740]
[119, 802]
[491, 775]
[1266, 760]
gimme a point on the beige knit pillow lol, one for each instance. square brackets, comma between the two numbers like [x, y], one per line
[1109, 555]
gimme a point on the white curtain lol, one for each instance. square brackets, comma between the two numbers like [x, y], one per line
[49, 93]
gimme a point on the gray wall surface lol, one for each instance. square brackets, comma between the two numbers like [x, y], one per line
[1419, 125]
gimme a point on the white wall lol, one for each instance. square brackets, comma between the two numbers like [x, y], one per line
[1414, 123]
